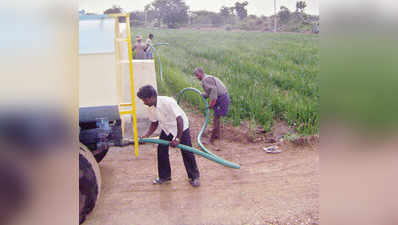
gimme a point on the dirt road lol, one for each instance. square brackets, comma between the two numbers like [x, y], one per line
[268, 189]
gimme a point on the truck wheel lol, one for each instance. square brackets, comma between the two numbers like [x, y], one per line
[99, 154]
[89, 182]
[14, 190]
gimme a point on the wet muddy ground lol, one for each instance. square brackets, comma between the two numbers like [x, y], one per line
[268, 189]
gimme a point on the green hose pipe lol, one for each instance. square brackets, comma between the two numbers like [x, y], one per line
[160, 62]
[212, 157]
[198, 139]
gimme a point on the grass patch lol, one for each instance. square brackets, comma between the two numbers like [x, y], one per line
[269, 76]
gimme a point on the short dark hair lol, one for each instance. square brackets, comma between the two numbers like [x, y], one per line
[150, 35]
[147, 91]
[198, 70]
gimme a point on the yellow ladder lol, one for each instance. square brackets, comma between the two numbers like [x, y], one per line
[118, 41]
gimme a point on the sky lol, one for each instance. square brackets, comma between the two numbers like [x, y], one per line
[256, 7]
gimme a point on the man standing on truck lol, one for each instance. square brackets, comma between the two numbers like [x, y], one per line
[148, 48]
[164, 112]
[139, 48]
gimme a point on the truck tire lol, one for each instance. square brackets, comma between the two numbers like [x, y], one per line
[14, 190]
[99, 155]
[89, 182]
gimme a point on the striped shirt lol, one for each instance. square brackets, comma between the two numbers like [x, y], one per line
[213, 87]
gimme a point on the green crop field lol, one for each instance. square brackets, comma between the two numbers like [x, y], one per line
[269, 76]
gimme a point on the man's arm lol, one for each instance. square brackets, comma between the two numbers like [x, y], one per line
[147, 44]
[152, 128]
[211, 87]
[212, 103]
[204, 95]
[180, 130]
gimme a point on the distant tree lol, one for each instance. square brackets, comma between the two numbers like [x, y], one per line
[114, 9]
[232, 9]
[240, 9]
[137, 18]
[300, 6]
[259, 21]
[191, 16]
[284, 14]
[151, 14]
[199, 17]
[226, 12]
[148, 7]
[216, 19]
[203, 17]
[305, 18]
[137, 15]
[174, 13]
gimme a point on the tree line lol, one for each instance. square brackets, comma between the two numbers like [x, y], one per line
[175, 14]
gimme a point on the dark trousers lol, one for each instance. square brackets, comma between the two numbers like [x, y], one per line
[164, 169]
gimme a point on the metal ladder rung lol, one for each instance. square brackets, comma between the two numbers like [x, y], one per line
[123, 62]
[126, 112]
[122, 39]
[125, 104]
[118, 15]
[128, 108]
